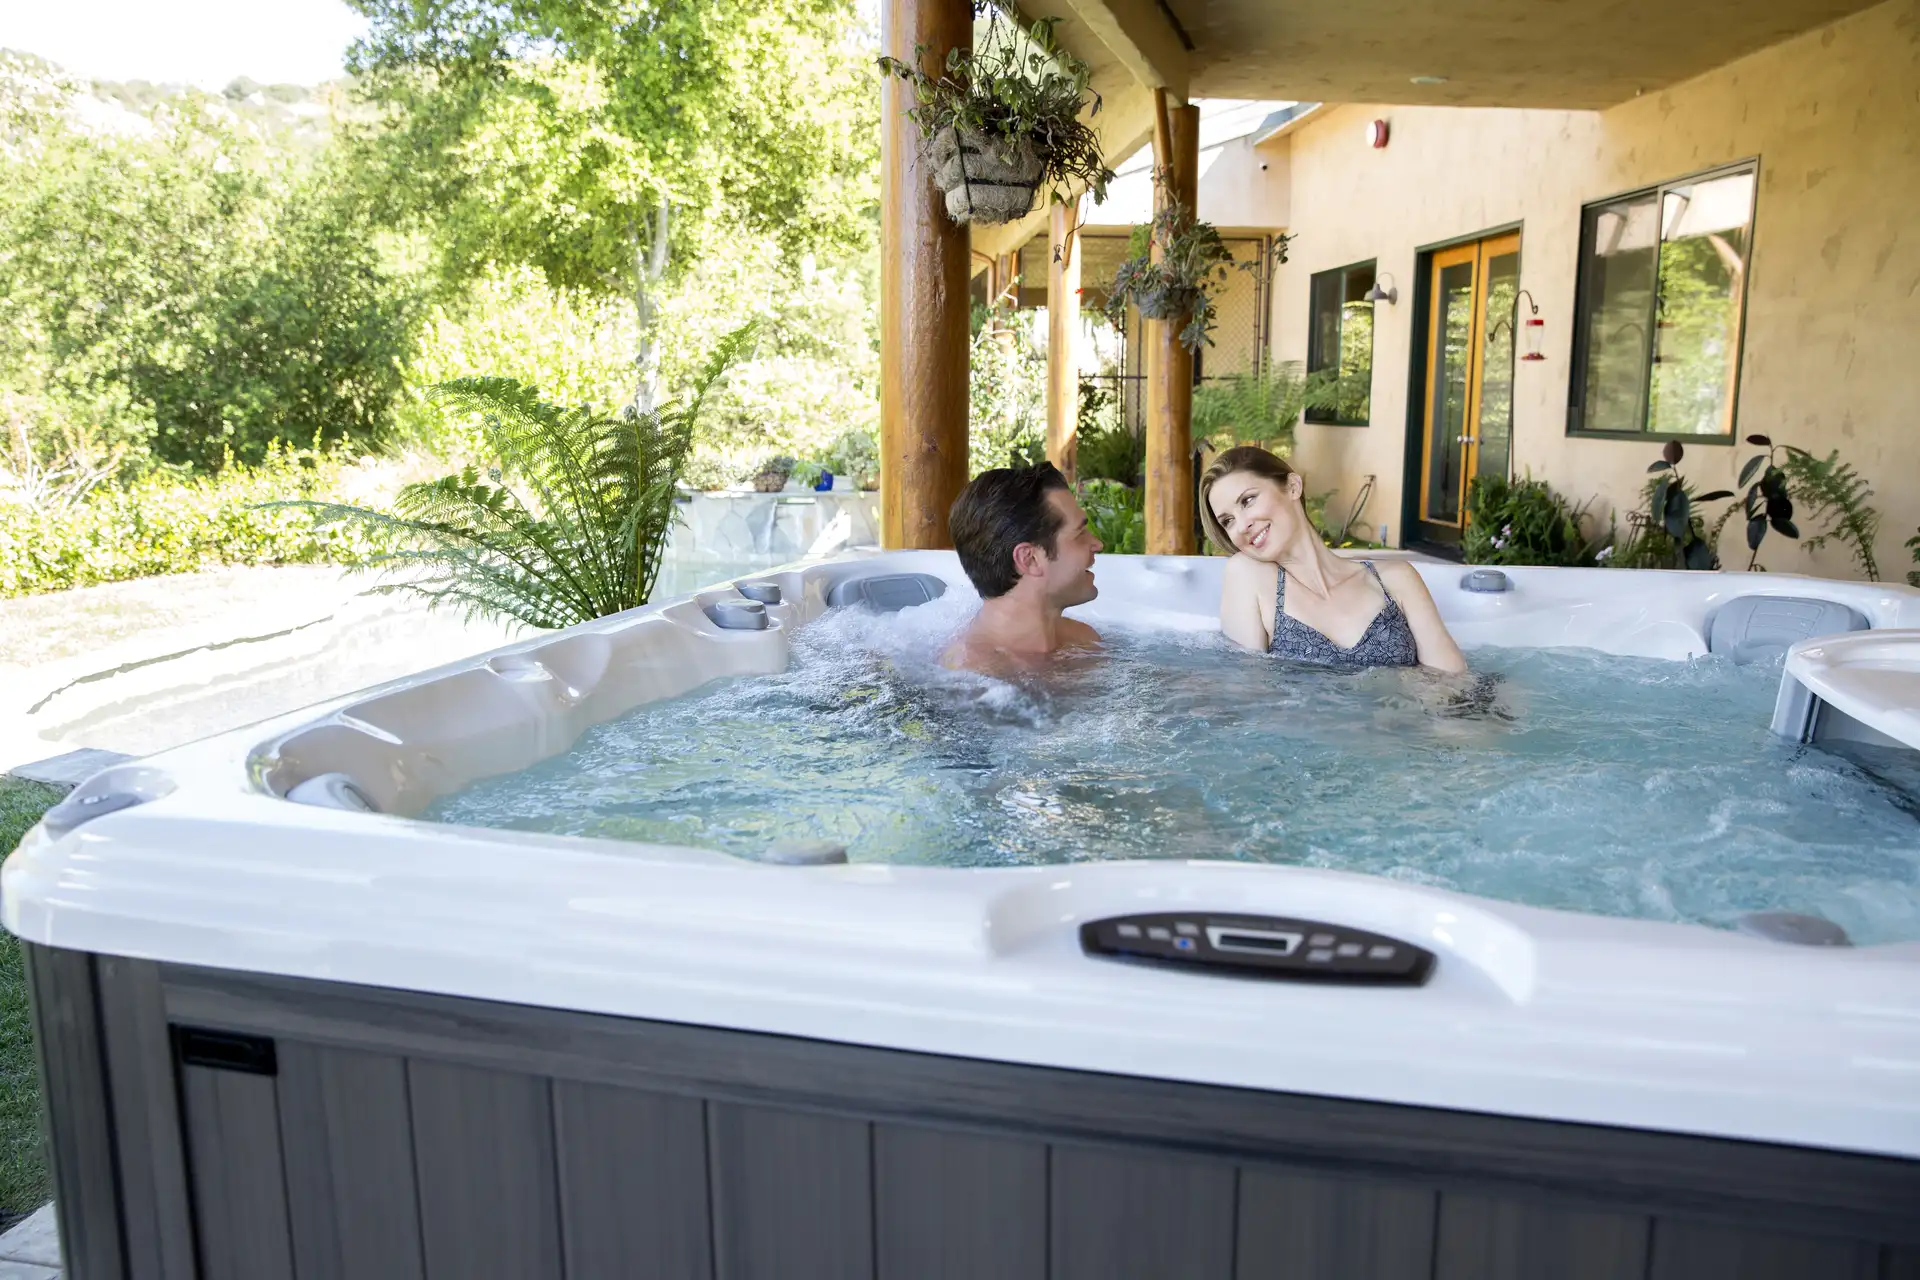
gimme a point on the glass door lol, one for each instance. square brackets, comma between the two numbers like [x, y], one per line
[1468, 413]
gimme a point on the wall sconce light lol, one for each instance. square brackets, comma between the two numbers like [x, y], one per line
[1535, 328]
[1389, 295]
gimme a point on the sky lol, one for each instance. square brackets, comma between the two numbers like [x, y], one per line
[204, 42]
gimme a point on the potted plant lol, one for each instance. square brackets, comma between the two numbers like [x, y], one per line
[1193, 266]
[1002, 120]
[774, 474]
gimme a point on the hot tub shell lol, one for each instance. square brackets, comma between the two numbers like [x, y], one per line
[284, 1040]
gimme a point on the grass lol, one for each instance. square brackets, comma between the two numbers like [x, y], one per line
[24, 1185]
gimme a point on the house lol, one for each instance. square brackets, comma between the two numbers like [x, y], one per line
[1589, 232]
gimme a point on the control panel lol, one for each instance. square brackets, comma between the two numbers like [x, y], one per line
[1260, 946]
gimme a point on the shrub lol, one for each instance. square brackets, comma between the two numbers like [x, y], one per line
[573, 523]
[1007, 398]
[1260, 408]
[1524, 522]
[1117, 514]
[169, 521]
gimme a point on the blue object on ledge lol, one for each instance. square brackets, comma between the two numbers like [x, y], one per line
[825, 483]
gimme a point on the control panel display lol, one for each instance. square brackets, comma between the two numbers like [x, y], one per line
[1260, 946]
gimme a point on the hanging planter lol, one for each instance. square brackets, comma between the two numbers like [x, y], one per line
[1193, 267]
[1002, 120]
[982, 181]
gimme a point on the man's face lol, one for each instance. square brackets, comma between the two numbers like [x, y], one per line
[1067, 577]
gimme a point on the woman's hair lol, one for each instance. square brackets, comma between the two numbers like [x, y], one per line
[1246, 457]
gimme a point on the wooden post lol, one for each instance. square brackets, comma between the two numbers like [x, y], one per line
[1169, 496]
[923, 298]
[1063, 327]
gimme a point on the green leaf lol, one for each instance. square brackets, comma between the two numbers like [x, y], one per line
[1756, 531]
[1679, 514]
[1752, 468]
[1699, 556]
[1763, 441]
[1716, 496]
[1784, 527]
[1662, 465]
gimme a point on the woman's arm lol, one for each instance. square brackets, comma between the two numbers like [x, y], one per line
[1241, 619]
[1430, 635]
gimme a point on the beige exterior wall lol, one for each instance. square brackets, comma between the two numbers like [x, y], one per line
[1832, 351]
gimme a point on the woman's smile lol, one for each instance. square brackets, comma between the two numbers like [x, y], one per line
[1257, 535]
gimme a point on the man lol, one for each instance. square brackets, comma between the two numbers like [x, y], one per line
[1025, 545]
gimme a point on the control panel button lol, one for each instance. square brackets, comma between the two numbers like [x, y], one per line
[1257, 946]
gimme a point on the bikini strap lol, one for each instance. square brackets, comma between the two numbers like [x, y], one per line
[1280, 586]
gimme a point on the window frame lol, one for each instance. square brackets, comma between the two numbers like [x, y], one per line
[1329, 417]
[1582, 320]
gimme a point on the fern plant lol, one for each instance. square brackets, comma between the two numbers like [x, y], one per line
[1262, 407]
[571, 525]
[1835, 497]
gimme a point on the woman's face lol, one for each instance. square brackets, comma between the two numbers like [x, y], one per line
[1258, 515]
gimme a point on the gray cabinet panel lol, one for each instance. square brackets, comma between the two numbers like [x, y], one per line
[1308, 1227]
[239, 1192]
[792, 1195]
[633, 1184]
[346, 1128]
[1498, 1238]
[1689, 1250]
[1120, 1215]
[1900, 1264]
[958, 1206]
[483, 1154]
[73, 1082]
[156, 1219]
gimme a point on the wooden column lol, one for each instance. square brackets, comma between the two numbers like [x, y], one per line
[1063, 328]
[923, 298]
[1169, 496]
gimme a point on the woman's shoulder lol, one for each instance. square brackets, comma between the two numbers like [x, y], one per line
[1398, 572]
[1244, 570]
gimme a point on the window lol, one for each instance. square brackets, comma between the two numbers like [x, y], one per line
[1340, 341]
[1656, 340]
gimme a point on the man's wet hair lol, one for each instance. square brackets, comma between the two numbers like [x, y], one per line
[996, 512]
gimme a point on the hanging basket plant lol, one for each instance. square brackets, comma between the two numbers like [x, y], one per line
[1002, 120]
[1194, 266]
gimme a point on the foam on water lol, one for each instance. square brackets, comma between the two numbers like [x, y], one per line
[1566, 778]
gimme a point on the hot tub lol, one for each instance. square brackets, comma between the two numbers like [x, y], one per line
[304, 1039]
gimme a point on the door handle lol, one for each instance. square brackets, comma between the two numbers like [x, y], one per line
[1466, 439]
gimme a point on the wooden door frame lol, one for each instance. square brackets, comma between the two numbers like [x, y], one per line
[1413, 474]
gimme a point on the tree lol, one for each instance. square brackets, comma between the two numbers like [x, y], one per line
[190, 293]
[608, 143]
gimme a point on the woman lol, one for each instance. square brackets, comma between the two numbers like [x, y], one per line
[1286, 594]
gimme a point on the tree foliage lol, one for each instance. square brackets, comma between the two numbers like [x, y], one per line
[189, 293]
[607, 143]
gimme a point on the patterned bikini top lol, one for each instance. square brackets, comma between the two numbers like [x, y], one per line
[1387, 641]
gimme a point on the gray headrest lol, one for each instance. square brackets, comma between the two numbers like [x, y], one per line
[1756, 628]
[887, 592]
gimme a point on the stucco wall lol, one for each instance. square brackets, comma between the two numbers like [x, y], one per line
[1832, 350]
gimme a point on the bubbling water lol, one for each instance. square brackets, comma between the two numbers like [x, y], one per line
[1557, 778]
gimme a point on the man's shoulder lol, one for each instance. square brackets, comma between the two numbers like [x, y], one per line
[1075, 634]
